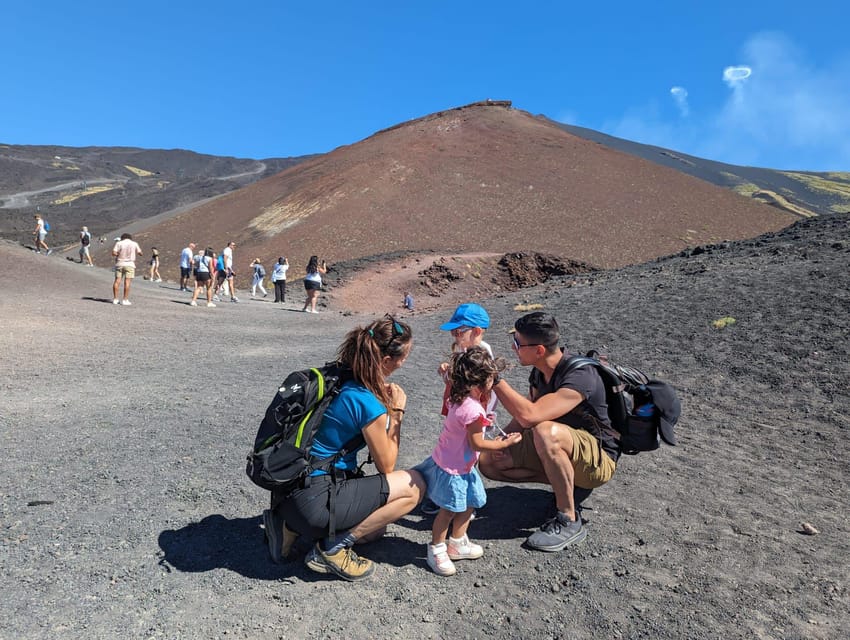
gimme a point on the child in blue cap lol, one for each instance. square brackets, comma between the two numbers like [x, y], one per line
[467, 326]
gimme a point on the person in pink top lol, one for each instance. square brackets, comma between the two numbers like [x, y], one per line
[453, 481]
[125, 252]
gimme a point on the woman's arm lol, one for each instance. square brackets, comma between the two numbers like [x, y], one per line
[382, 441]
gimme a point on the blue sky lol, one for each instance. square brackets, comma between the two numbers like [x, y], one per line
[273, 79]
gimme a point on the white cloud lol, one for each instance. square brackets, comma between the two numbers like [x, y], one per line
[680, 97]
[781, 112]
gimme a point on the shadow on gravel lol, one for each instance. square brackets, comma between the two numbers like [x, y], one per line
[238, 545]
[91, 299]
[511, 512]
[219, 543]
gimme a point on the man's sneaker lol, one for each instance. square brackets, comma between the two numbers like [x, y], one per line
[557, 533]
[49, 251]
[126, 303]
[210, 304]
[234, 299]
[116, 301]
[348, 565]
[439, 561]
[193, 304]
[463, 549]
[429, 507]
[216, 298]
[313, 560]
[274, 534]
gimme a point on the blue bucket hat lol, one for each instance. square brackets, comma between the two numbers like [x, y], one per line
[468, 315]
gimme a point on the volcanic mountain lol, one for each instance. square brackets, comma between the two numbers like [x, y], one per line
[483, 178]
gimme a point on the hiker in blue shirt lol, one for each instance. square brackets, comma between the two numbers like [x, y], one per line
[362, 505]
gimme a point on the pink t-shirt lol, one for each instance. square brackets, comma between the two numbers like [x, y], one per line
[453, 453]
[125, 253]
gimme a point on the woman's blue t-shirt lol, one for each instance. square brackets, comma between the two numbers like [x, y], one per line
[353, 409]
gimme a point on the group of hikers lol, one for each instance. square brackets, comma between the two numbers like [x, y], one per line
[559, 434]
[214, 274]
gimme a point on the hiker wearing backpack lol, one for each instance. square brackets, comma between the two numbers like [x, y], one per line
[40, 234]
[85, 242]
[357, 506]
[567, 439]
[259, 274]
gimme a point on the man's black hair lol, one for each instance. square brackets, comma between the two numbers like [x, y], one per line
[539, 328]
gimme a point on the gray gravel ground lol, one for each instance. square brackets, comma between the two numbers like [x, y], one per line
[125, 511]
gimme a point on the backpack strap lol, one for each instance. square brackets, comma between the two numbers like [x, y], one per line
[328, 465]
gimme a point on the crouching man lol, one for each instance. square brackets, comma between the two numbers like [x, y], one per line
[567, 440]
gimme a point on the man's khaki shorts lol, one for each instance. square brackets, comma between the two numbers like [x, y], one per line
[593, 467]
[127, 272]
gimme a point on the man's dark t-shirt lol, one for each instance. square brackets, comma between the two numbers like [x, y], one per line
[591, 414]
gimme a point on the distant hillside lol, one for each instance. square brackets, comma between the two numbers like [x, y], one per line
[484, 177]
[108, 187]
[804, 193]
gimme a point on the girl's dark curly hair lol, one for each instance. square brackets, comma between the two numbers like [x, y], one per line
[471, 368]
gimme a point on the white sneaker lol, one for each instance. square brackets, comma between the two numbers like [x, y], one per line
[234, 299]
[463, 549]
[439, 560]
[158, 280]
[210, 304]
[116, 301]
[126, 303]
[193, 304]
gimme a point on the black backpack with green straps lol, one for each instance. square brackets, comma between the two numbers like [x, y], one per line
[280, 458]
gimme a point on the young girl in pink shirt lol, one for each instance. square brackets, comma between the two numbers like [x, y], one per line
[453, 481]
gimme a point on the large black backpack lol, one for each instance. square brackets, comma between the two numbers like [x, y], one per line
[280, 458]
[642, 410]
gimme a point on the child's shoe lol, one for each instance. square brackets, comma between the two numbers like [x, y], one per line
[439, 560]
[463, 549]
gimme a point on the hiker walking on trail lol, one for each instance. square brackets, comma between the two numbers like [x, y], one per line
[279, 279]
[125, 252]
[225, 273]
[85, 243]
[187, 258]
[40, 234]
[567, 440]
[453, 481]
[154, 266]
[313, 283]
[204, 263]
[363, 505]
[257, 281]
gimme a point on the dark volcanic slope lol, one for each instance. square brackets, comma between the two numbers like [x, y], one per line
[817, 192]
[125, 505]
[476, 178]
[105, 188]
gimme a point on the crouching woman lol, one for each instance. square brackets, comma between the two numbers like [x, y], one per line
[358, 507]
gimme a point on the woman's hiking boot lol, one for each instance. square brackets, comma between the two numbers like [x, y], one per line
[279, 537]
[346, 564]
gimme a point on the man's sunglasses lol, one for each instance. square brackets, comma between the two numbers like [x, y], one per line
[519, 346]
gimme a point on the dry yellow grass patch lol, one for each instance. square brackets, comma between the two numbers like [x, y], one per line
[87, 192]
[142, 173]
[772, 197]
[289, 211]
[838, 183]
